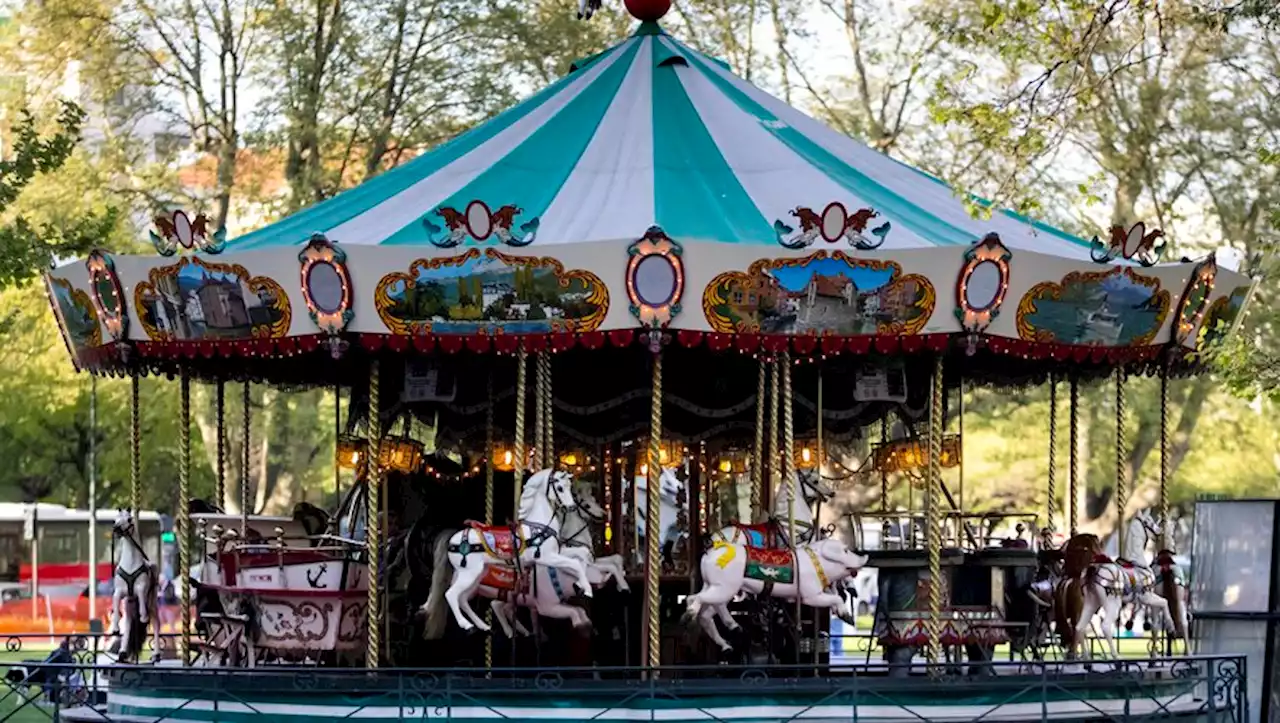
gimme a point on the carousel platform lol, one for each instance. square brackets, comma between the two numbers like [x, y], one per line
[1190, 689]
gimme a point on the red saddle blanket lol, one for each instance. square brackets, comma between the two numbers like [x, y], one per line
[503, 577]
[770, 564]
[498, 541]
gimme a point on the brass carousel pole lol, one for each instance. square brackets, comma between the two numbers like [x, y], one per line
[1051, 505]
[933, 494]
[757, 463]
[135, 450]
[1122, 460]
[1166, 542]
[246, 446]
[519, 461]
[488, 502]
[220, 493]
[775, 474]
[653, 568]
[789, 465]
[1073, 458]
[817, 512]
[539, 419]
[548, 424]
[373, 535]
[184, 519]
[884, 491]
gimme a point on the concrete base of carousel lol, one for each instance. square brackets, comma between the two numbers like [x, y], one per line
[1197, 690]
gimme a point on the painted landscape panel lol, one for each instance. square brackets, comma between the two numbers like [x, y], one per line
[1116, 308]
[820, 294]
[486, 292]
[79, 318]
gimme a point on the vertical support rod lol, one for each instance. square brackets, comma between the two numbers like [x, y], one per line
[246, 447]
[337, 436]
[539, 444]
[135, 449]
[789, 460]
[775, 474]
[488, 501]
[1166, 541]
[93, 497]
[1122, 462]
[1051, 505]
[184, 519]
[220, 411]
[519, 466]
[548, 423]
[653, 566]
[885, 527]
[1073, 457]
[373, 535]
[933, 494]
[960, 467]
[758, 462]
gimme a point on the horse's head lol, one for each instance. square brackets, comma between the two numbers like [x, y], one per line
[812, 487]
[560, 490]
[123, 526]
[834, 550]
[1150, 525]
[584, 496]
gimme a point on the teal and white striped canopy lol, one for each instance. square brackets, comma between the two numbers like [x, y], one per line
[649, 132]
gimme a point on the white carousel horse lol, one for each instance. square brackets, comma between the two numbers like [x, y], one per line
[669, 490]
[547, 594]
[480, 551]
[134, 600]
[814, 572]
[1107, 585]
[1170, 585]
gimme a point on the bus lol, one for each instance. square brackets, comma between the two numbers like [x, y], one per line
[58, 561]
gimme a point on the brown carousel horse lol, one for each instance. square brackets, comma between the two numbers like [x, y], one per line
[1078, 555]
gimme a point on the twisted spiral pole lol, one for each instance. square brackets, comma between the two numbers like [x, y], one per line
[757, 464]
[184, 518]
[789, 461]
[1163, 506]
[539, 419]
[1051, 505]
[135, 449]
[1073, 457]
[1122, 462]
[548, 425]
[373, 534]
[775, 474]
[221, 491]
[652, 521]
[933, 627]
[520, 461]
[488, 502]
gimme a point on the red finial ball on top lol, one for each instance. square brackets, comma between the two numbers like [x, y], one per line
[648, 11]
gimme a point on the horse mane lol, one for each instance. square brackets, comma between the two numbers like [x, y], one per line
[534, 486]
[1078, 554]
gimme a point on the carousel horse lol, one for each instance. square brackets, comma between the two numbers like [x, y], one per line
[547, 594]
[314, 520]
[669, 490]
[1102, 585]
[1170, 584]
[134, 600]
[502, 556]
[814, 573]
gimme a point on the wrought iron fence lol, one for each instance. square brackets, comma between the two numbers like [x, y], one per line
[75, 687]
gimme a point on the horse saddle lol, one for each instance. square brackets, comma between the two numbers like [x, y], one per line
[771, 565]
[504, 577]
[499, 541]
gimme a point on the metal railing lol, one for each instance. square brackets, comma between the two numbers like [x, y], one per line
[1201, 688]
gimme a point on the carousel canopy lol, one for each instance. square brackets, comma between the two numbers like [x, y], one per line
[653, 133]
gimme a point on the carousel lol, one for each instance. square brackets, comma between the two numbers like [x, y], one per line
[589, 358]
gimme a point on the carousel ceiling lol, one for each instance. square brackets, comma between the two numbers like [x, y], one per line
[649, 189]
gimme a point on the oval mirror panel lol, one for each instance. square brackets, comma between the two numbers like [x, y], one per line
[478, 220]
[107, 294]
[324, 284]
[834, 218]
[655, 280]
[983, 286]
[1133, 240]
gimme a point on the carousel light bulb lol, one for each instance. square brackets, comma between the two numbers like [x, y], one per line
[726, 465]
[662, 455]
[569, 459]
[644, 470]
[806, 455]
[508, 457]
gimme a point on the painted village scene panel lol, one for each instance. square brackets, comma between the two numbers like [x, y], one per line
[1113, 310]
[1221, 316]
[823, 295]
[486, 292]
[198, 301]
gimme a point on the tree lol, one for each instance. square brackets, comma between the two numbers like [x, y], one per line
[28, 246]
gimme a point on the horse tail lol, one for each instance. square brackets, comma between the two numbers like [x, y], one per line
[441, 578]
[1069, 608]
